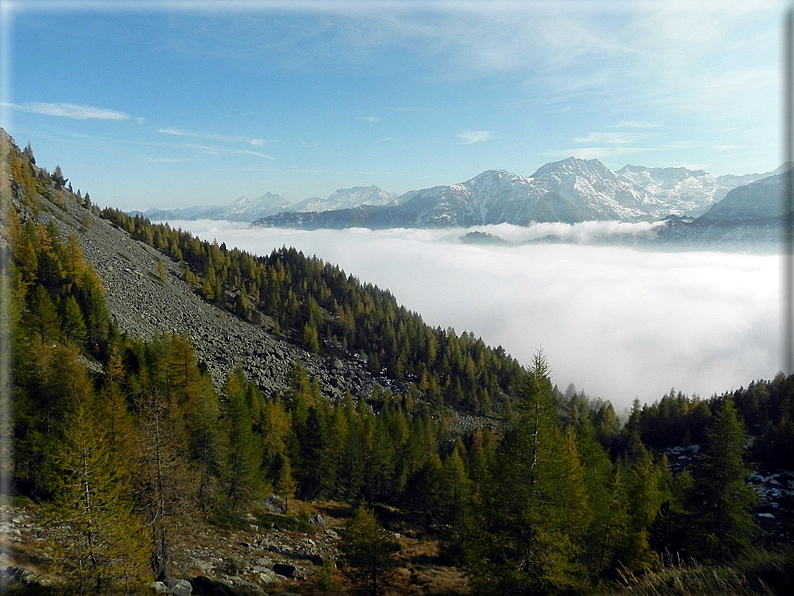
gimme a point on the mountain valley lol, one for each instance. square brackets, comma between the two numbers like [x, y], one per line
[249, 423]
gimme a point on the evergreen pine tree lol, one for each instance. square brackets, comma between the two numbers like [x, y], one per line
[73, 325]
[242, 470]
[536, 506]
[721, 500]
[368, 552]
[103, 544]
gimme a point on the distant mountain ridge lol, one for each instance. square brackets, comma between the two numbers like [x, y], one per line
[346, 198]
[248, 210]
[569, 190]
[762, 199]
[241, 209]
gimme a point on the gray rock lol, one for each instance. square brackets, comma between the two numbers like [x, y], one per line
[179, 587]
[275, 504]
[317, 520]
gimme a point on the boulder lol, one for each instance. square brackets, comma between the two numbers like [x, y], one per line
[204, 586]
[179, 587]
[285, 570]
[267, 576]
[275, 504]
[317, 520]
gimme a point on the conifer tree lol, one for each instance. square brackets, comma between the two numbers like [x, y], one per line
[644, 498]
[337, 431]
[535, 508]
[284, 483]
[312, 472]
[242, 470]
[721, 500]
[104, 547]
[352, 468]
[368, 552]
[205, 442]
[73, 325]
[164, 495]
[45, 319]
[456, 509]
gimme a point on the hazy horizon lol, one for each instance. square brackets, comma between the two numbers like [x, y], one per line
[618, 322]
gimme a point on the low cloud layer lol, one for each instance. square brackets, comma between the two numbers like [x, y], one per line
[619, 323]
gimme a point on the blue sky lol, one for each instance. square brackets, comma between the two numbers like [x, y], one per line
[182, 103]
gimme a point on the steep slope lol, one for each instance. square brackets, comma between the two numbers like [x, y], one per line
[758, 200]
[265, 313]
[144, 305]
[592, 188]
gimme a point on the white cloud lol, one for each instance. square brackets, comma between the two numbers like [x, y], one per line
[217, 152]
[612, 138]
[69, 110]
[617, 322]
[475, 136]
[164, 160]
[677, 145]
[212, 137]
[369, 118]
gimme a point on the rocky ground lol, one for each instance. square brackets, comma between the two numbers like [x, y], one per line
[144, 306]
[254, 559]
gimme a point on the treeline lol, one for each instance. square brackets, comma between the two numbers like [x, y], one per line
[765, 407]
[327, 311]
[127, 443]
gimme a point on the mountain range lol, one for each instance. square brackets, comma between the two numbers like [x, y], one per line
[248, 210]
[345, 198]
[241, 209]
[571, 190]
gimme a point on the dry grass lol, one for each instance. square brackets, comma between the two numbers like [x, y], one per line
[759, 573]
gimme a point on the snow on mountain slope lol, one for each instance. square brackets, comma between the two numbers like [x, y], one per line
[345, 198]
[241, 209]
[676, 191]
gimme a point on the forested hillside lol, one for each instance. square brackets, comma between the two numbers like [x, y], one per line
[127, 452]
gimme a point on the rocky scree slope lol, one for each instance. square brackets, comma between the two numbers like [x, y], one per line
[145, 306]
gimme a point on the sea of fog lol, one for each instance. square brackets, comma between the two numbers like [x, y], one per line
[617, 322]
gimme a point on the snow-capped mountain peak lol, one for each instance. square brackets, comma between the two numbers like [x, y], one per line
[345, 198]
